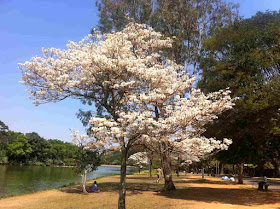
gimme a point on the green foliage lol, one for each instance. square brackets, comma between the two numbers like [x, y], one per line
[188, 23]
[3, 127]
[86, 160]
[32, 149]
[60, 150]
[69, 162]
[246, 58]
[112, 158]
[3, 156]
[18, 149]
[40, 147]
[252, 166]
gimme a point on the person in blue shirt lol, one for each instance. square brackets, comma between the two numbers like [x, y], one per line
[94, 187]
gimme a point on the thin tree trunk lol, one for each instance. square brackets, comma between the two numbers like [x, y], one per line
[150, 168]
[166, 166]
[84, 179]
[178, 166]
[222, 169]
[122, 192]
[278, 167]
[240, 173]
[202, 172]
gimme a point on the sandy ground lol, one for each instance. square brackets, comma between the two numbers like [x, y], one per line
[192, 192]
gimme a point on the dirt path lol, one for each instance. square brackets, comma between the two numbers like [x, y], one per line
[143, 193]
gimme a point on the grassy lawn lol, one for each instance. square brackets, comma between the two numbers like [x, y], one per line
[192, 192]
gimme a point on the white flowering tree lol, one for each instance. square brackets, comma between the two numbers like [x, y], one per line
[139, 159]
[178, 126]
[128, 76]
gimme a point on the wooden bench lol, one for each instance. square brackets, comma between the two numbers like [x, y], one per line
[263, 186]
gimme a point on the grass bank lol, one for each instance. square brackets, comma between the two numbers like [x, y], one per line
[192, 192]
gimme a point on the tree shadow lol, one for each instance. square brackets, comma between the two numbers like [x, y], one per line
[247, 197]
[205, 181]
[140, 178]
[132, 188]
[205, 193]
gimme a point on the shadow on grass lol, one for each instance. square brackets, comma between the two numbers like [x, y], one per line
[204, 181]
[245, 197]
[141, 177]
[234, 196]
[132, 188]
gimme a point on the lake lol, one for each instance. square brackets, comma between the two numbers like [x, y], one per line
[16, 179]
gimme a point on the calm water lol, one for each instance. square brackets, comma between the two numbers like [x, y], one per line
[23, 179]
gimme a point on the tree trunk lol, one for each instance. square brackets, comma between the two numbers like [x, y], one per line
[278, 167]
[166, 167]
[150, 168]
[178, 166]
[122, 192]
[222, 169]
[202, 172]
[84, 179]
[240, 173]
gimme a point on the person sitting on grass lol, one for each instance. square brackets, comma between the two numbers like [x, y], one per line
[94, 187]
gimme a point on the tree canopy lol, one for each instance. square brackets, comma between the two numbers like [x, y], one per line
[245, 57]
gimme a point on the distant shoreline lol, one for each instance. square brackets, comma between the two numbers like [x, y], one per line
[65, 166]
[117, 166]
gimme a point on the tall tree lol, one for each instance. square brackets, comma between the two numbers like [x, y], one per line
[129, 75]
[245, 57]
[187, 22]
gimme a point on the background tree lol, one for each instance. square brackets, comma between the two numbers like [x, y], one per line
[111, 157]
[3, 127]
[139, 159]
[87, 160]
[245, 57]
[3, 142]
[32, 149]
[40, 147]
[18, 149]
[188, 23]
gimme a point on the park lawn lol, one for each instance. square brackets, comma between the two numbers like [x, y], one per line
[192, 192]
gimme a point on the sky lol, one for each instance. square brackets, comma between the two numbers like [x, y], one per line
[28, 25]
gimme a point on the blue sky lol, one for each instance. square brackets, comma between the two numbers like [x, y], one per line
[28, 25]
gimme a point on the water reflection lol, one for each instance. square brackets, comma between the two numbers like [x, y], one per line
[16, 179]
